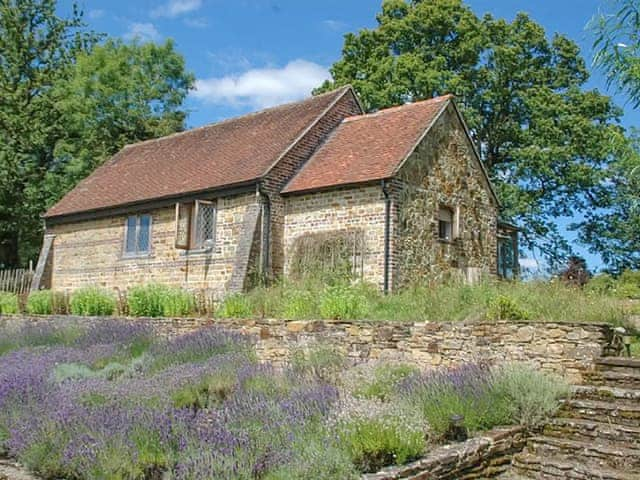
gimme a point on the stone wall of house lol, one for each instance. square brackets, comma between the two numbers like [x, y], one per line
[358, 210]
[443, 171]
[91, 252]
[567, 349]
[347, 105]
[481, 457]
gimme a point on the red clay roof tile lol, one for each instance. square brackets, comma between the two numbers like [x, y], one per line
[231, 152]
[367, 147]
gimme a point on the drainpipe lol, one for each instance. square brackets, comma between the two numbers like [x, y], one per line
[266, 229]
[387, 230]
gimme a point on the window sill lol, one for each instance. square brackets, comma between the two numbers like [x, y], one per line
[196, 251]
[136, 256]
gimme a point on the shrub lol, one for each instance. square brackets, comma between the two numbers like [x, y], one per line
[383, 382]
[629, 284]
[377, 434]
[92, 301]
[235, 306]
[146, 300]
[505, 308]
[601, 284]
[323, 362]
[299, 304]
[343, 302]
[40, 302]
[177, 303]
[8, 303]
[529, 396]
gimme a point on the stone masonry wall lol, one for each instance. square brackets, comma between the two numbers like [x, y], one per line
[567, 349]
[357, 208]
[91, 252]
[443, 171]
[480, 457]
[292, 161]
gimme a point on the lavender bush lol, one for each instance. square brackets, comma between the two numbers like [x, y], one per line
[112, 400]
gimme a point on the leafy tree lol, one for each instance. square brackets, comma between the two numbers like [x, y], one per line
[37, 48]
[613, 229]
[617, 45]
[67, 102]
[545, 140]
[117, 94]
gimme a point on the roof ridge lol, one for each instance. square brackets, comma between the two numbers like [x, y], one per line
[438, 99]
[239, 117]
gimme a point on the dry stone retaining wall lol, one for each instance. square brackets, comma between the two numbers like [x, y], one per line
[564, 348]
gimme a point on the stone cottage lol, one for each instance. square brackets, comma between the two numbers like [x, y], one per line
[393, 196]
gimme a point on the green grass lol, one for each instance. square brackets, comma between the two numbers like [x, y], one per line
[489, 300]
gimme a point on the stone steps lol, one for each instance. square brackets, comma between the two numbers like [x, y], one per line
[596, 433]
[605, 393]
[565, 467]
[600, 453]
[621, 412]
[586, 430]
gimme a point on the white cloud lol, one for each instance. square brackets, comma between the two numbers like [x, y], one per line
[144, 32]
[96, 13]
[263, 87]
[174, 8]
[335, 25]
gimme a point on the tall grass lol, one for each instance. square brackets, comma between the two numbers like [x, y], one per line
[92, 301]
[8, 303]
[488, 300]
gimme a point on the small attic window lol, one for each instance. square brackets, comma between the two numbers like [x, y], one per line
[445, 224]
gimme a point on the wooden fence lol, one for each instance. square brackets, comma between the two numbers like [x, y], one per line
[16, 280]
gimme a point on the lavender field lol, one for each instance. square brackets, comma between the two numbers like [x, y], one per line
[113, 401]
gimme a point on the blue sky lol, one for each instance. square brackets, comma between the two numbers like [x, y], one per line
[250, 54]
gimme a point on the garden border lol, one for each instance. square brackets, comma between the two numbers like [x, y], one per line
[567, 349]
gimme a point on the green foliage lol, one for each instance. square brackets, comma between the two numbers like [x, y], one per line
[503, 307]
[627, 285]
[378, 441]
[209, 392]
[40, 302]
[536, 301]
[8, 303]
[322, 361]
[235, 306]
[384, 382]
[70, 102]
[505, 75]
[92, 301]
[343, 302]
[616, 45]
[317, 458]
[527, 395]
[177, 303]
[156, 300]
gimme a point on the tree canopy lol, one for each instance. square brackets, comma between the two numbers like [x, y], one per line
[546, 140]
[68, 100]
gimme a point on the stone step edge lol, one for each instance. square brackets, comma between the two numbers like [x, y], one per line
[606, 391]
[591, 423]
[523, 461]
[600, 405]
[618, 362]
[579, 445]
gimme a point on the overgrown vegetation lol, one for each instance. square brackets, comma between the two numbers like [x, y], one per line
[489, 300]
[92, 301]
[603, 299]
[202, 407]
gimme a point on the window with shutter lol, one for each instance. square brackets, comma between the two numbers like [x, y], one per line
[195, 225]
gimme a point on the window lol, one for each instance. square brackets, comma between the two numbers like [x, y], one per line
[445, 224]
[137, 235]
[195, 225]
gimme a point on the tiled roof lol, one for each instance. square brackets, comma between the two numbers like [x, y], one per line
[367, 147]
[231, 152]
